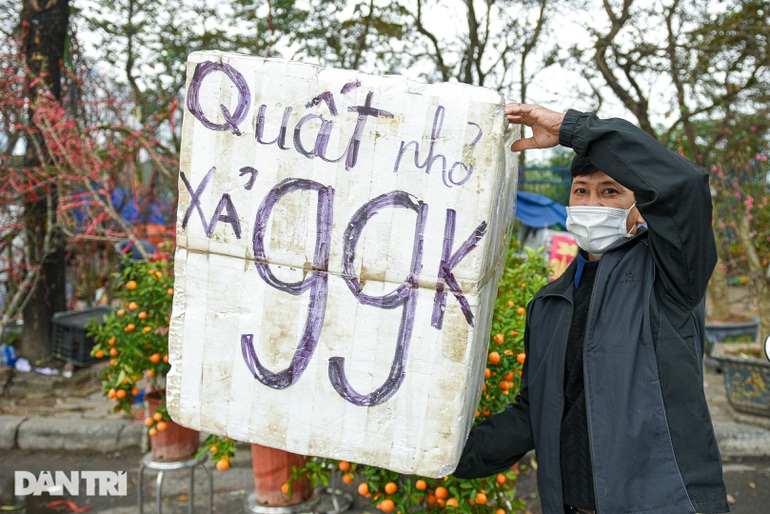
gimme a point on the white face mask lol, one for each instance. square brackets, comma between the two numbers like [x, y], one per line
[598, 229]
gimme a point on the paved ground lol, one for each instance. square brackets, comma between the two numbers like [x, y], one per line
[747, 479]
[57, 423]
[230, 487]
[49, 422]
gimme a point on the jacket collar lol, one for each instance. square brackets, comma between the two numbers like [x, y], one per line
[574, 271]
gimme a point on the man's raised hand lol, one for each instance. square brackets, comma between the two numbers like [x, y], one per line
[545, 125]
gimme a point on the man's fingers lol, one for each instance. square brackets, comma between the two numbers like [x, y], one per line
[545, 125]
[523, 144]
[517, 108]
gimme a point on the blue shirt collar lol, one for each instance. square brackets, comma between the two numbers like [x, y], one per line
[582, 260]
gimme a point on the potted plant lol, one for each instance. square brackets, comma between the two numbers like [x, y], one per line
[524, 275]
[135, 339]
[747, 378]
[741, 196]
[281, 478]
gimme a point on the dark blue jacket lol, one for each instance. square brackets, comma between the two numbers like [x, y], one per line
[652, 441]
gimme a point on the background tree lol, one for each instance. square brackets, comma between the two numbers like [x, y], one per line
[501, 44]
[139, 50]
[697, 85]
[101, 197]
[44, 25]
[359, 35]
[683, 68]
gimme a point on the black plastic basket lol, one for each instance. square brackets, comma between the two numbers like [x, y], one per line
[69, 341]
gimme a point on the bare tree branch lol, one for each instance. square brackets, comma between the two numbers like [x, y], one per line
[437, 56]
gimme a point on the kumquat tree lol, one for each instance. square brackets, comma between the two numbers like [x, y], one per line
[135, 336]
[525, 273]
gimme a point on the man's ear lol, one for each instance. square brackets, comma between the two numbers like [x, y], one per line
[635, 218]
[639, 218]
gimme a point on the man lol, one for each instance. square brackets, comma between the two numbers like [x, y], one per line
[612, 389]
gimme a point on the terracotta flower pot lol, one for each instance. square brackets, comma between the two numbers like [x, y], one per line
[272, 468]
[174, 444]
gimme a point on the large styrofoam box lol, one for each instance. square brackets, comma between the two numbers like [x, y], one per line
[339, 240]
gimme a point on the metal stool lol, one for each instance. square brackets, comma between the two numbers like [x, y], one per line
[162, 467]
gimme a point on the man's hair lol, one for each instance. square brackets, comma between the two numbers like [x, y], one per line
[581, 166]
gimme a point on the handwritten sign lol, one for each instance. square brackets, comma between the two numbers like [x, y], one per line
[339, 240]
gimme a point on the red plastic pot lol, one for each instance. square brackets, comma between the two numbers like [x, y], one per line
[272, 469]
[176, 443]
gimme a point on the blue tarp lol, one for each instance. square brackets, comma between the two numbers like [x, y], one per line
[154, 213]
[127, 206]
[539, 211]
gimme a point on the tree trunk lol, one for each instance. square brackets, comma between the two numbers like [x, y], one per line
[759, 274]
[763, 307]
[44, 26]
[718, 300]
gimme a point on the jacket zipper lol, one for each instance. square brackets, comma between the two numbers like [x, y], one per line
[571, 303]
[589, 321]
